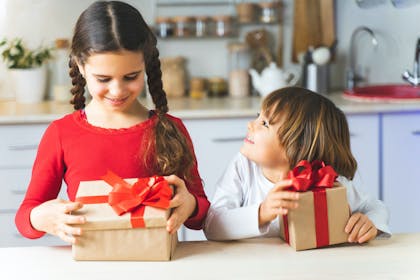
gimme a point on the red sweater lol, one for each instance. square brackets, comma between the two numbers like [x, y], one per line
[73, 150]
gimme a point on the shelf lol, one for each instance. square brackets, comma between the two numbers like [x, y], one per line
[171, 3]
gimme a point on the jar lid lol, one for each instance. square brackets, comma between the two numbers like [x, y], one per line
[238, 46]
[273, 4]
[217, 80]
[222, 18]
[62, 43]
[163, 20]
[182, 19]
[202, 18]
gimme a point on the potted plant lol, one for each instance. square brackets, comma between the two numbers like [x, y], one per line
[27, 69]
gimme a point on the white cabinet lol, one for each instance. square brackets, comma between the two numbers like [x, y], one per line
[18, 146]
[364, 141]
[401, 170]
[216, 141]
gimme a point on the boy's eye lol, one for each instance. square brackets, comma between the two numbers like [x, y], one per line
[264, 123]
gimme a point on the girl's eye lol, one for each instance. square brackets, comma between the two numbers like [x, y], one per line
[103, 80]
[131, 78]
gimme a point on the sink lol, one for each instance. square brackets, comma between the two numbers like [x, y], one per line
[384, 93]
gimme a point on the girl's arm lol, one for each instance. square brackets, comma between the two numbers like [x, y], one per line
[43, 189]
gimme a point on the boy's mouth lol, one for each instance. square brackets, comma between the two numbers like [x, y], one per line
[248, 139]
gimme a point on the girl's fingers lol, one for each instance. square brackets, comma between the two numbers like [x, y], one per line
[175, 201]
[176, 181]
[69, 230]
[66, 238]
[173, 223]
[71, 206]
[74, 219]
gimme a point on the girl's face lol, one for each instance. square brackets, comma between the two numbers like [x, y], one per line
[262, 144]
[114, 79]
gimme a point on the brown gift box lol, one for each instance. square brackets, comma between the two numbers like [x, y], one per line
[301, 221]
[107, 236]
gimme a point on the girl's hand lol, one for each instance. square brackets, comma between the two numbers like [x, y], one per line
[54, 217]
[277, 202]
[183, 204]
[360, 228]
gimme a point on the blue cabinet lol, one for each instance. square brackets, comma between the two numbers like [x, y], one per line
[401, 170]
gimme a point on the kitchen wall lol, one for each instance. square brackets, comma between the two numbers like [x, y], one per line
[41, 21]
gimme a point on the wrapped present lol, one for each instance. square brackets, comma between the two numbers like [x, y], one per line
[125, 219]
[323, 209]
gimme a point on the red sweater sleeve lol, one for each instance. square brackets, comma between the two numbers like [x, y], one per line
[45, 184]
[195, 187]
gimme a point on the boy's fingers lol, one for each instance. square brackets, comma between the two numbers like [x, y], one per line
[282, 184]
[351, 222]
[367, 236]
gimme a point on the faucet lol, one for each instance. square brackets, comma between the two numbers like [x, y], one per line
[352, 77]
[414, 78]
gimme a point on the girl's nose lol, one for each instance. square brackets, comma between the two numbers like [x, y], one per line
[116, 88]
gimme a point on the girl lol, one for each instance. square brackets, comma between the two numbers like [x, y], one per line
[112, 50]
[294, 124]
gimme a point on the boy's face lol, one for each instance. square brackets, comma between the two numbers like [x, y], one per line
[262, 144]
[114, 79]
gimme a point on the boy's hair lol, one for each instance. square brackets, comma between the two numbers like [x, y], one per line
[112, 26]
[311, 128]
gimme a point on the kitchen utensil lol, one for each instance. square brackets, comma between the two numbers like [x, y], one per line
[321, 55]
[313, 25]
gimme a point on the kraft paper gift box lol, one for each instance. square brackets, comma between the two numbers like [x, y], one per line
[130, 229]
[323, 209]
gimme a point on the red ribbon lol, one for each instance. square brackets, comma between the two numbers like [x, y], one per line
[315, 177]
[153, 191]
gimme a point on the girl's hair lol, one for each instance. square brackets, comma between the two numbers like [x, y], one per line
[311, 128]
[112, 26]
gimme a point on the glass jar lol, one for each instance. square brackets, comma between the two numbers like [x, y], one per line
[184, 26]
[164, 27]
[201, 26]
[197, 87]
[270, 12]
[173, 76]
[239, 63]
[61, 82]
[224, 26]
[245, 12]
[217, 87]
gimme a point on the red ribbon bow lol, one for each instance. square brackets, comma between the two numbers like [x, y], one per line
[316, 177]
[153, 191]
[306, 176]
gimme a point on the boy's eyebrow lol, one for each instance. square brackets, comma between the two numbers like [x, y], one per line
[105, 76]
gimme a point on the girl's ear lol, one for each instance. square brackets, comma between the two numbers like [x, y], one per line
[80, 66]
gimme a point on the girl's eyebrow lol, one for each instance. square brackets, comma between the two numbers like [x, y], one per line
[106, 76]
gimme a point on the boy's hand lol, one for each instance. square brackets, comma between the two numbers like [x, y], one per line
[360, 228]
[277, 202]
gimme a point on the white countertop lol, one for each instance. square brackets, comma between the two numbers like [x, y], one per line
[395, 258]
[187, 108]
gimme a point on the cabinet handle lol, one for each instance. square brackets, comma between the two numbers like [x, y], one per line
[23, 147]
[8, 211]
[416, 132]
[18, 192]
[230, 139]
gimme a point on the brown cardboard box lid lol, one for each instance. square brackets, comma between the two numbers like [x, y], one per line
[102, 216]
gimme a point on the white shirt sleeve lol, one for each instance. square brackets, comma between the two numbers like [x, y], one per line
[229, 218]
[373, 208]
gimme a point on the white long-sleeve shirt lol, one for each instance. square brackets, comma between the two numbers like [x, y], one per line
[239, 192]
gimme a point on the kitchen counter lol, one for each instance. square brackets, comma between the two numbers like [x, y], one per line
[187, 108]
[394, 258]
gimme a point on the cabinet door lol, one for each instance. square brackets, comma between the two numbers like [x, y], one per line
[215, 141]
[364, 141]
[401, 169]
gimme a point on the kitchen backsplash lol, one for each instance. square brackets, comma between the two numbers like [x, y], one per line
[42, 21]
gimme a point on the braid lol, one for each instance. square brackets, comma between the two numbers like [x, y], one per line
[174, 154]
[79, 84]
